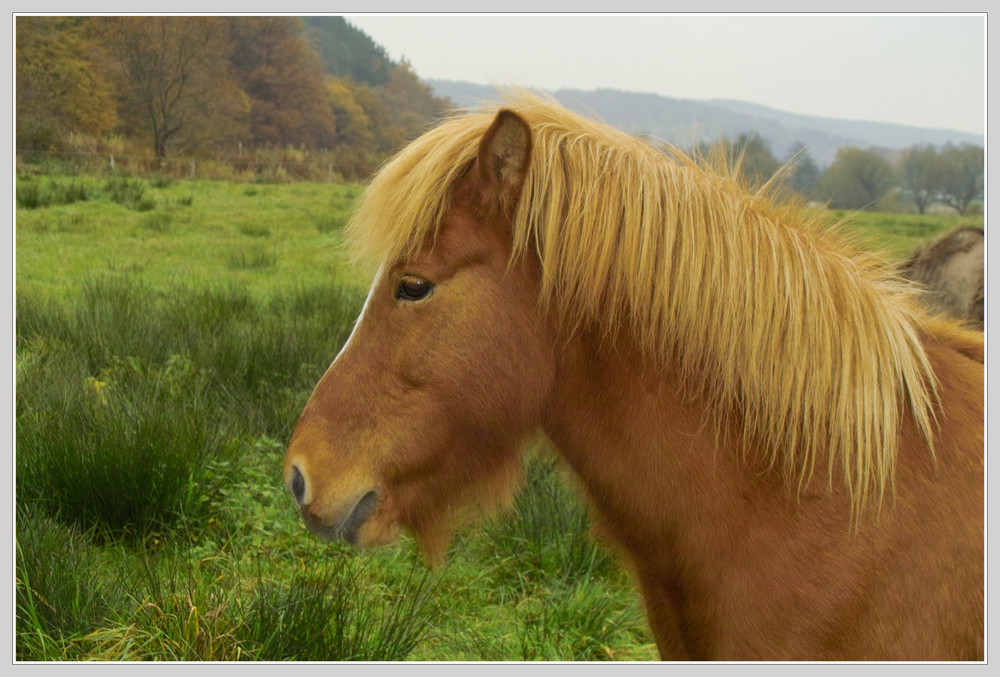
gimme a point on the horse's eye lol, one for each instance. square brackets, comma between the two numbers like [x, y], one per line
[413, 289]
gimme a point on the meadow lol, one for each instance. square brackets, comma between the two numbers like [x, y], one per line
[168, 334]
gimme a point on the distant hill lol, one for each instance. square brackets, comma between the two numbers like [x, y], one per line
[685, 122]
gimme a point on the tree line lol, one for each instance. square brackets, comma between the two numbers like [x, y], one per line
[197, 86]
[864, 178]
[209, 87]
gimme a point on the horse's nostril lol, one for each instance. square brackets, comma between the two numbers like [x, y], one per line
[361, 512]
[298, 485]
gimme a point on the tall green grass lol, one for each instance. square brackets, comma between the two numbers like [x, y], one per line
[77, 600]
[58, 595]
[158, 381]
[129, 193]
[33, 194]
[331, 616]
[126, 394]
[146, 422]
[124, 455]
[244, 354]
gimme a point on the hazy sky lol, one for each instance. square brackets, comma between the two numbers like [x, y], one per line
[926, 71]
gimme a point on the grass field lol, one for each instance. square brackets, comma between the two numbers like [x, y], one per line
[168, 334]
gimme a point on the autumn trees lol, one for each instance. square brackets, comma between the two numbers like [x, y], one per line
[203, 85]
[175, 81]
[59, 87]
[283, 78]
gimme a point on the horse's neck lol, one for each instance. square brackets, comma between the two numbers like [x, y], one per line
[651, 456]
[671, 485]
[725, 551]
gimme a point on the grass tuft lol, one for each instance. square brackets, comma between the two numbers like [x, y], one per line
[128, 193]
[125, 396]
[120, 453]
[252, 258]
[57, 595]
[32, 195]
[158, 223]
[332, 616]
[254, 230]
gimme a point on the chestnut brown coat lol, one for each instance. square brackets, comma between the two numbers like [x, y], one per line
[787, 449]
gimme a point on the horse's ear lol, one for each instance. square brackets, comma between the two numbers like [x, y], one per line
[504, 155]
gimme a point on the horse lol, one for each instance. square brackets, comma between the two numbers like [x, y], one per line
[951, 268]
[786, 450]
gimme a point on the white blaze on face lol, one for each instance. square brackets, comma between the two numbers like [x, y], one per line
[364, 308]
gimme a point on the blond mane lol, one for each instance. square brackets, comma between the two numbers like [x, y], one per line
[778, 320]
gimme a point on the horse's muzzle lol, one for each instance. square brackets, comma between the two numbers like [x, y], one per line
[348, 528]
